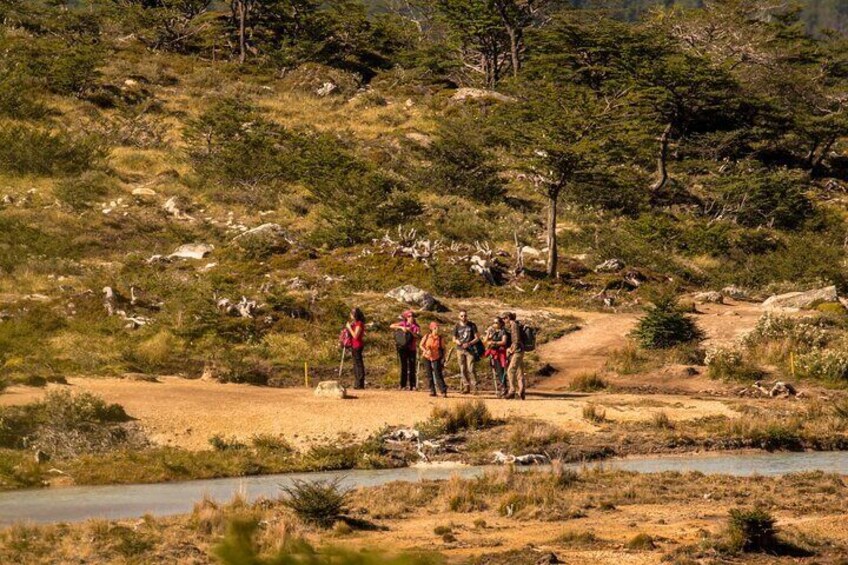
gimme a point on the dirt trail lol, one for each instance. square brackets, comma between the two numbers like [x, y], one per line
[586, 350]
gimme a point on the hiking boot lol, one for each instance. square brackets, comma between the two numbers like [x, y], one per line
[444, 394]
[433, 394]
[521, 395]
[509, 396]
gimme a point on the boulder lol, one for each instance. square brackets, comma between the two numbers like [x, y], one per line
[711, 297]
[326, 89]
[801, 300]
[420, 139]
[330, 389]
[414, 296]
[735, 293]
[610, 266]
[463, 94]
[175, 208]
[191, 251]
[272, 238]
[528, 251]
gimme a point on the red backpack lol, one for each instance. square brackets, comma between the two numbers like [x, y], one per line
[346, 339]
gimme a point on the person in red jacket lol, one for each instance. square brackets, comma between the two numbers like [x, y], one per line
[356, 328]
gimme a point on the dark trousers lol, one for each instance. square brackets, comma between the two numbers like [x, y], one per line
[358, 368]
[435, 376]
[407, 368]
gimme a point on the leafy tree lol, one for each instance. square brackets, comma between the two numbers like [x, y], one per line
[561, 135]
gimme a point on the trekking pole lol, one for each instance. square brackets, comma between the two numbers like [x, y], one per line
[417, 370]
[341, 363]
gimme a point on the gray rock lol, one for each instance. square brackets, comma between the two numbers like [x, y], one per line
[610, 266]
[735, 293]
[327, 89]
[191, 251]
[270, 236]
[414, 296]
[330, 389]
[801, 300]
[421, 139]
[711, 297]
[463, 94]
[41, 457]
[528, 251]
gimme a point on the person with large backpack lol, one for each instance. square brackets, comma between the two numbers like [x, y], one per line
[515, 371]
[407, 332]
[433, 352]
[353, 338]
[469, 349]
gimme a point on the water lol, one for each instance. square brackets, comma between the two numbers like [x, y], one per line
[72, 504]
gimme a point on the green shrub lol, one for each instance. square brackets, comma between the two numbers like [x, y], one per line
[752, 530]
[664, 326]
[268, 442]
[661, 421]
[81, 192]
[731, 364]
[469, 415]
[316, 502]
[221, 443]
[823, 364]
[27, 150]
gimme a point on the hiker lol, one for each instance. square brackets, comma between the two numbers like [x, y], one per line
[433, 352]
[469, 349]
[515, 370]
[497, 343]
[355, 328]
[407, 332]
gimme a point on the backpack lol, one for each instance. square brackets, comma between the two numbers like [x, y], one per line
[403, 339]
[345, 339]
[527, 337]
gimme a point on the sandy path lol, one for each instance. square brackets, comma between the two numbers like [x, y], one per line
[586, 350]
[187, 413]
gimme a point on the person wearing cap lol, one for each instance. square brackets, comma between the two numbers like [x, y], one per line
[407, 333]
[468, 351]
[433, 352]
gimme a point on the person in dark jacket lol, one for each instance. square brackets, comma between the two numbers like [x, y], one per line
[407, 348]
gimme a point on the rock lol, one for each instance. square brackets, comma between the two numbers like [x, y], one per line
[143, 192]
[173, 207]
[610, 266]
[463, 94]
[404, 434]
[735, 293]
[209, 372]
[244, 308]
[271, 237]
[414, 296]
[140, 377]
[528, 251]
[330, 389]
[191, 251]
[801, 300]
[546, 370]
[711, 297]
[327, 89]
[41, 457]
[502, 458]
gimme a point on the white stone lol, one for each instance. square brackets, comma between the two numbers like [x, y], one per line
[191, 251]
[330, 389]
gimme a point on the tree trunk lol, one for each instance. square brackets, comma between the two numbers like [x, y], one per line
[553, 257]
[815, 160]
[662, 160]
[513, 50]
[242, 16]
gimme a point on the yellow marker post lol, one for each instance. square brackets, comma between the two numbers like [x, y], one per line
[306, 374]
[792, 363]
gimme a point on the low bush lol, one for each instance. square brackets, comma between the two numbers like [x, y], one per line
[661, 421]
[664, 326]
[641, 542]
[731, 364]
[29, 150]
[319, 503]
[591, 382]
[81, 192]
[469, 415]
[752, 530]
[221, 443]
[823, 364]
[593, 414]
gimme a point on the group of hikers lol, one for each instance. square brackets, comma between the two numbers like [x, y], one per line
[503, 344]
